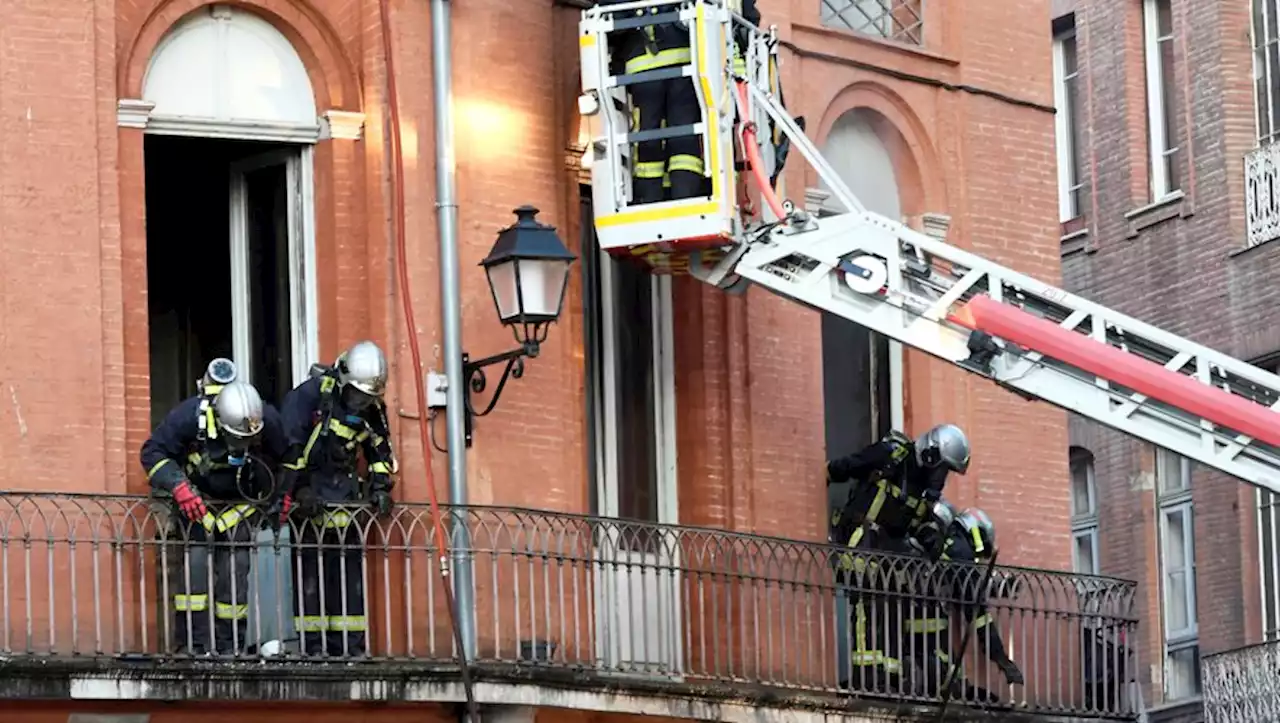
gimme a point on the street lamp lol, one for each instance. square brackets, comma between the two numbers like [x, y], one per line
[528, 271]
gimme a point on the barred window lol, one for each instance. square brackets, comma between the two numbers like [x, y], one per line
[898, 20]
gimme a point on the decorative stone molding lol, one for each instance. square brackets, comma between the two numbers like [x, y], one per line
[815, 199]
[131, 113]
[936, 225]
[343, 125]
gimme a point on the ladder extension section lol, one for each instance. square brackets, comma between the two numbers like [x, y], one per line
[1031, 338]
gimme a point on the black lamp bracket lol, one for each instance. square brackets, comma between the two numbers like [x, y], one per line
[477, 381]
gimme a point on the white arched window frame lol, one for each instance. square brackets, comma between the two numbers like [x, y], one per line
[222, 72]
[862, 161]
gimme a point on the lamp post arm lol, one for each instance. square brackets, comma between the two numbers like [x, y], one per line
[473, 371]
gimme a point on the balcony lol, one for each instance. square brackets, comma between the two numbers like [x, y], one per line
[570, 611]
[1262, 193]
[1242, 685]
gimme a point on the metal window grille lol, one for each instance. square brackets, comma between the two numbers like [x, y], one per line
[898, 20]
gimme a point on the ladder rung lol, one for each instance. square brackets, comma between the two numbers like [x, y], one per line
[661, 134]
[645, 20]
[649, 76]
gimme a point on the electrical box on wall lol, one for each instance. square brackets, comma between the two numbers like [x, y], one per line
[437, 386]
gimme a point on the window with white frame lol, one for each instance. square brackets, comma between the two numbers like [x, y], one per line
[1269, 547]
[1269, 562]
[1084, 513]
[1177, 576]
[1266, 68]
[1163, 129]
[1070, 146]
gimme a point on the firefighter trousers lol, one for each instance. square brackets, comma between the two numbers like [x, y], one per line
[219, 557]
[929, 646]
[671, 102]
[932, 646]
[328, 567]
[876, 604]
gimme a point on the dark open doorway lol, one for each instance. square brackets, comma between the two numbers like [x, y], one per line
[191, 285]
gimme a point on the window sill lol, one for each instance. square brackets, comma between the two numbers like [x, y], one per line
[1175, 710]
[1075, 243]
[873, 41]
[1155, 213]
[1268, 244]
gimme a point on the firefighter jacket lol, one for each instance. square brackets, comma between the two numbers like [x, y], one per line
[890, 492]
[325, 441]
[187, 445]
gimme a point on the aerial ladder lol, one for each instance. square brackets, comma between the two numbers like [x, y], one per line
[1036, 340]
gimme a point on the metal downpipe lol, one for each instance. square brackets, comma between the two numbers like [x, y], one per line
[451, 311]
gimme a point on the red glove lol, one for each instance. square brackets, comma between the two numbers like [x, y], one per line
[189, 501]
[285, 506]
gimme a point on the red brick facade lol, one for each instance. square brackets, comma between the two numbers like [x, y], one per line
[1183, 267]
[968, 121]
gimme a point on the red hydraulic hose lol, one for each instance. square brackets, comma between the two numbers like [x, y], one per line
[751, 147]
[402, 268]
[1103, 360]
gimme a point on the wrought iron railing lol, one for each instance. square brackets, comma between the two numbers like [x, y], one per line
[116, 576]
[898, 20]
[1262, 193]
[1242, 685]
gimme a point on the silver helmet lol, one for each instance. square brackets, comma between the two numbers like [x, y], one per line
[980, 529]
[944, 514]
[945, 445]
[362, 368]
[220, 372]
[239, 411]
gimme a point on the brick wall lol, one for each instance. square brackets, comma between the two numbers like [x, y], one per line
[1177, 267]
[750, 430]
[988, 163]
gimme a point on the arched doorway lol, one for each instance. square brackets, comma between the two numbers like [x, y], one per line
[861, 370]
[229, 205]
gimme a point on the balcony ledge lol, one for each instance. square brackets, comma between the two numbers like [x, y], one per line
[506, 686]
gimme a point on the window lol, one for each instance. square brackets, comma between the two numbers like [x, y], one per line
[898, 20]
[1269, 561]
[1266, 69]
[1084, 513]
[1066, 98]
[1178, 576]
[1163, 129]
[631, 384]
[1269, 544]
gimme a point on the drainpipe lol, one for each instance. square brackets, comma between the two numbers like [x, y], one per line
[451, 311]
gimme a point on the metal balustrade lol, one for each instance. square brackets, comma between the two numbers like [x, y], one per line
[1242, 685]
[897, 20]
[95, 577]
[1262, 193]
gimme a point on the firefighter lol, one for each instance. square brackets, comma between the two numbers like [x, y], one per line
[666, 102]
[967, 547]
[217, 446]
[330, 419]
[897, 482]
